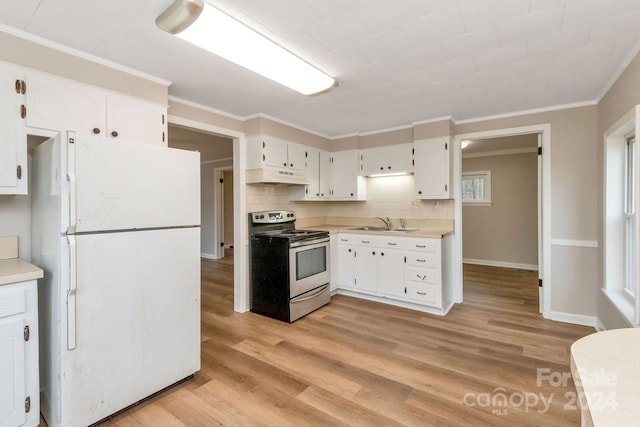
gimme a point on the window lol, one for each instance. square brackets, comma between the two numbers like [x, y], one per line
[630, 216]
[476, 188]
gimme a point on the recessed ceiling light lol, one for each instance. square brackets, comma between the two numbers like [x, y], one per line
[207, 27]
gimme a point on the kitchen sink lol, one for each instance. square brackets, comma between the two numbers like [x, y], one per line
[371, 228]
[368, 228]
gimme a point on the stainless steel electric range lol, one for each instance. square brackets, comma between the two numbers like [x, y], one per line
[288, 268]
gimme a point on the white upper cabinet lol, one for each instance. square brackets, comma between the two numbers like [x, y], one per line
[345, 182]
[13, 137]
[275, 152]
[325, 174]
[318, 173]
[296, 156]
[389, 159]
[60, 104]
[312, 170]
[136, 120]
[432, 159]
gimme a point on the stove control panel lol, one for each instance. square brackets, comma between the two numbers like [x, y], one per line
[272, 217]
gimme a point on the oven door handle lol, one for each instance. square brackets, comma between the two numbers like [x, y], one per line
[315, 294]
[308, 242]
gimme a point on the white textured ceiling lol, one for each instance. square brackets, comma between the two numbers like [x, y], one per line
[397, 61]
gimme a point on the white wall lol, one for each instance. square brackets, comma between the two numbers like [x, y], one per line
[505, 233]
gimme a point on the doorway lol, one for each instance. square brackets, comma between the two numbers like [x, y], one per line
[224, 214]
[543, 207]
[216, 152]
[500, 216]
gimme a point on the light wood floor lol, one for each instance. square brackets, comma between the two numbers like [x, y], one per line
[360, 363]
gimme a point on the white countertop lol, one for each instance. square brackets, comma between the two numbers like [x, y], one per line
[436, 229]
[606, 370]
[12, 268]
[15, 270]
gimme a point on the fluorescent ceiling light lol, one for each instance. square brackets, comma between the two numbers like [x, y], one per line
[227, 37]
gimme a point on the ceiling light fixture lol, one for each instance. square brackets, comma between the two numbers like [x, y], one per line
[464, 144]
[209, 28]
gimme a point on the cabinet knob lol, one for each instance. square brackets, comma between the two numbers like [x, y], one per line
[23, 111]
[317, 194]
[381, 168]
[381, 253]
[352, 194]
[373, 252]
[419, 191]
[291, 165]
[96, 131]
[388, 167]
[114, 134]
[349, 250]
[18, 86]
[284, 164]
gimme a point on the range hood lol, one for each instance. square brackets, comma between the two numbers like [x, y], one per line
[273, 175]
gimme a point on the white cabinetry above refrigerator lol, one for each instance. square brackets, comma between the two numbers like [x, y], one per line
[60, 104]
[13, 136]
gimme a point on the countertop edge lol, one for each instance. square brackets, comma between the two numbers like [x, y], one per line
[422, 233]
[14, 270]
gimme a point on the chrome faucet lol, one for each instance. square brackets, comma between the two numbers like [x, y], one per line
[387, 222]
[403, 225]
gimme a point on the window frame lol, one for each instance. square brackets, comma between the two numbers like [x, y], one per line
[630, 218]
[486, 176]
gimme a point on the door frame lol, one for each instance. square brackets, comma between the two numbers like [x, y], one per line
[218, 212]
[240, 226]
[544, 185]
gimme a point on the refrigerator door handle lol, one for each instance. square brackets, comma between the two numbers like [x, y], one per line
[71, 177]
[71, 295]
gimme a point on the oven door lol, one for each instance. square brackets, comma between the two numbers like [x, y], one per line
[308, 265]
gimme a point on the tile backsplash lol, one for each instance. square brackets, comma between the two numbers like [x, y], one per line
[391, 196]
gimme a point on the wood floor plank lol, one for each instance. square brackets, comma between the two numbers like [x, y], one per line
[356, 362]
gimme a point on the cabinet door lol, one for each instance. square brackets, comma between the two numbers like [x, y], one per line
[136, 120]
[366, 270]
[313, 173]
[325, 174]
[344, 175]
[61, 104]
[12, 371]
[391, 267]
[388, 159]
[346, 262]
[13, 137]
[296, 156]
[432, 176]
[274, 152]
[334, 258]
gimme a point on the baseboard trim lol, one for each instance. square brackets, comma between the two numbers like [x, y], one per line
[600, 326]
[492, 263]
[207, 256]
[578, 319]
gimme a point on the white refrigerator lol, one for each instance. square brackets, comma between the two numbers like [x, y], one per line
[115, 227]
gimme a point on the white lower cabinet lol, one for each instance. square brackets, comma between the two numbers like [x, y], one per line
[19, 394]
[408, 271]
[423, 273]
[370, 264]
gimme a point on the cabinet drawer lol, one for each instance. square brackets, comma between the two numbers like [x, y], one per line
[391, 243]
[422, 275]
[12, 301]
[426, 245]
[421, 259]
[424, 292]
